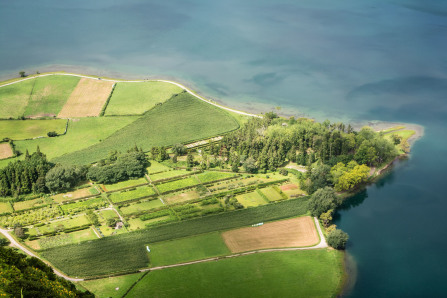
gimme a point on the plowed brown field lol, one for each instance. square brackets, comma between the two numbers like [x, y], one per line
[5, 150]
[293, 232]
[87, 99]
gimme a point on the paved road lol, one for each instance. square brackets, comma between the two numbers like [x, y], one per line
[138, 81]
[28, 252]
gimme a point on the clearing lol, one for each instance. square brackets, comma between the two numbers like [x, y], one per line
[137, 98]
[5, 150]
[293, 232]
[87, 99]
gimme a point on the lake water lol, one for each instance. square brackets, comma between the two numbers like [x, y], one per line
[342, 60]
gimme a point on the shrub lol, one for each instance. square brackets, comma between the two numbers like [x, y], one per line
[337, 239]
[52, 134]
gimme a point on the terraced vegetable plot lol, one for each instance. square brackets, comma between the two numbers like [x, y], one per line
[123, 196]
[178, 184]
[141, 206]
[124, 184]
[168, 174]
[83, 205]
[213, 176]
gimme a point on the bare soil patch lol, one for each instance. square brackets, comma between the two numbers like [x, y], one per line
[293, 232]
[288, 187]
[87, 99]
[5, 151]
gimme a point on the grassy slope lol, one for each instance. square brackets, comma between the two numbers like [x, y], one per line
[107, 287]
[187, 249]
[312, 273]
[14, 99]
[81, 134]
[137, 98]
[27, 129]
[183, 118]
[127, 251]
[50, 94]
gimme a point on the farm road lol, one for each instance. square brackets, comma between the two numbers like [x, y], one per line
[138, 81]
[28, 252]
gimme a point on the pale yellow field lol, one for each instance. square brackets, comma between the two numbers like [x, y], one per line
[87, 99]
[5, 150]
[293, 232]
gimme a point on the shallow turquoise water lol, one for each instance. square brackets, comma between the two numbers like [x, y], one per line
[348, 59]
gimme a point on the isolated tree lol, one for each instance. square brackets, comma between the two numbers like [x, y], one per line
[189, 160]
[337, 239]
[22, 74]
[322, 200]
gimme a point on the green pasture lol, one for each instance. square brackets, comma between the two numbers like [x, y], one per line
[128, 252]
[28, 129]
[307, 273]
[141, 206]
[213, 176]
[111, 287]
[156, 167]
[81, 134]
[125, 184]
[31, 204]
[168, 174]
[137, 98]
[139, 192]
[271, 194]
[187, 249]
[168, 186]
[251, 199]
[182, 118]
[5, 207]
[106, 214]
[67, 238]
[83, 205]
[14, 99]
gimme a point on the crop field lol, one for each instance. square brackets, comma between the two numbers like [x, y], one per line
[181, 119]
[83, 205]
[293, 232]
[106, 214]
[124, 184]
[139, 192]
[168, 174]
[156, 167]
[49, 95]
[141, 206]
[81, 133]
[311, 273]
[66, 223]
[5, 150]
[65, 239]
[181, 197]
[168, 186]
[31, 204]
[251, 199]
[271, 194]
[128, 252]
[187, 249]
[291, 190]
[5, 207]
[237, 183]
[14, 99]
[74, 195]
[111, 287]
[137, 98]
[87, 99]
[27, 129]
[213, 176]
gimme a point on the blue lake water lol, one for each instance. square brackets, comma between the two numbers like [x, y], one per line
[342, 60]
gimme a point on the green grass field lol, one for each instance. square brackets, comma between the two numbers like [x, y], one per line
[14, 99]
[81, 134]
[5, 207]
[111, 287]
[311, 273]
[124, 184]
[67, 223]
[156, 167]
[182, 118]
[168, 174]
[27, 129]
[271, 194]
[50, 94]
[74, 195]
[141, 206]
[106, 214]
[128, 252]
[213, 176]
[140, 192]
[168, 186]
[30, 204]
[137, 98]
[83, 205]
[66, 239]
[251, 199]
[187, 249]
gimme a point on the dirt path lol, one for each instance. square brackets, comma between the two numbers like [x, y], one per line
[139, 81]
[28, 252]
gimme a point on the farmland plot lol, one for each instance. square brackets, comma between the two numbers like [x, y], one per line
[124, 184]
[140, 192]
[178, 184]
[74, 195]
[5, 150]
[28, 129]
